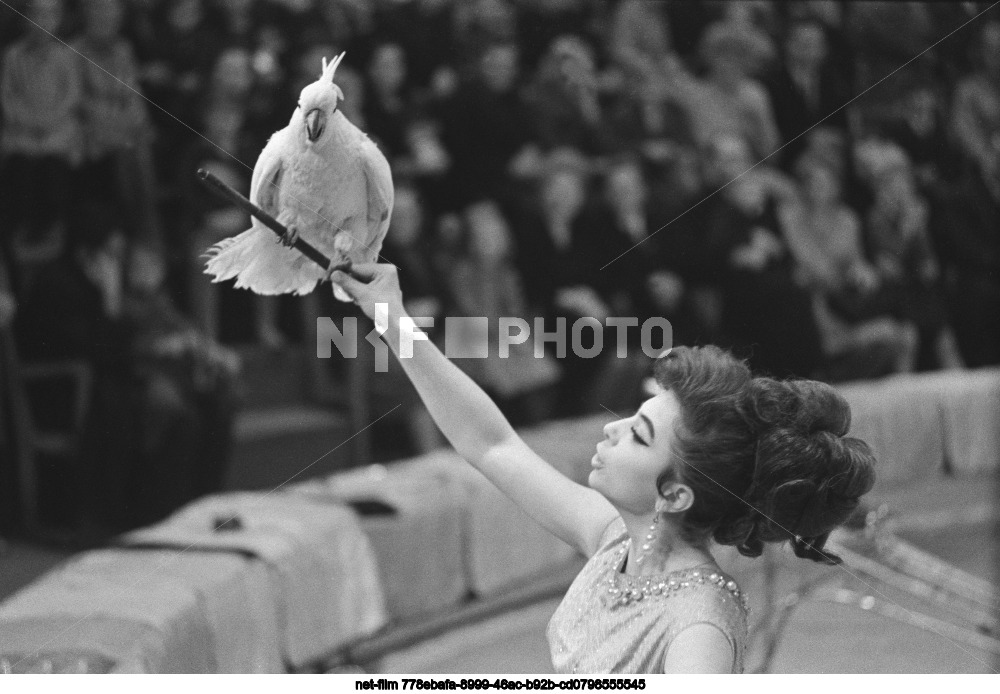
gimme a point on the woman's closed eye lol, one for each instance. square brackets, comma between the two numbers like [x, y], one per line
[638, 439]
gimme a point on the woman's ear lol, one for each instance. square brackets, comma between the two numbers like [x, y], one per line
[675, 498]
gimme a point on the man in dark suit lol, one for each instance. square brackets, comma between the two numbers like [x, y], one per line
[806, 87]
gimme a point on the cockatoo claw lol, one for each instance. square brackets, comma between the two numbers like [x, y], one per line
[289, 237]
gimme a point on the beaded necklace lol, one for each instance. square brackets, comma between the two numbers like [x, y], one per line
[624, 589]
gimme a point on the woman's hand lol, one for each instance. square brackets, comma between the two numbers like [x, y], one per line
[369, 284]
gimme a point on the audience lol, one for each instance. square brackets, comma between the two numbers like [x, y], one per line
[533, 142]
[117, 131]
[40, 144]
[766, 314]
[484, 282]
[900, 246]
[806, 87]
[728, 100]
[74, 310]
[976, 108]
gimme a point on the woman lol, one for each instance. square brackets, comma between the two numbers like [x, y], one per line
[717, 454]
[765, 313]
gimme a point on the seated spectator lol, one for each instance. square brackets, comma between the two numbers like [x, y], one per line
[976, 108]
[543, 227]
[644, 114]
[900, 246]
[681, 191]
[74, 311]
[766, 314]
[178, 62]
[392, 117]
[409, 245]
[853, 313]
[158, 424]
[885, 35]
[40, 93]
[805, 88]
[484, 283]
[486, 129]
[479, 23]
[921, 130]
[187, 386]
[824, 234]
[728, 100]
[244, 23]
[541, 22]
[551, 259]
[965, 219]
[424, 28]
[388, 103]
[639, 44]
[118, 135]
[619, 270]
[563, 100]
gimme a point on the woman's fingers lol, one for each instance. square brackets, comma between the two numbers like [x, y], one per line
[368, 284]
[364, 271]
[346, 282]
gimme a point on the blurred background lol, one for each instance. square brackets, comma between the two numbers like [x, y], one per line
[813, 184]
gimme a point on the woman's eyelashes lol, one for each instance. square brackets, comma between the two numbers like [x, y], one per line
[638, 439]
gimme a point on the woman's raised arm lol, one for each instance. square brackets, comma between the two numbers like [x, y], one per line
[474, 425]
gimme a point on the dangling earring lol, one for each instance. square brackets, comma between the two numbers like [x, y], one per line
[647, 546]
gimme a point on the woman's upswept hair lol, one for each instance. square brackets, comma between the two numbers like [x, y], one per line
[767, 460]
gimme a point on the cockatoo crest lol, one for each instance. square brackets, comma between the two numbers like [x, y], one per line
[330, 68]
[318, 101]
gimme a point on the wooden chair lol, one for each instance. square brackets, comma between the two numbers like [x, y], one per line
[29, 440]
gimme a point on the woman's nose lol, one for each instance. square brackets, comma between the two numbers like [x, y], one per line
[611, 429]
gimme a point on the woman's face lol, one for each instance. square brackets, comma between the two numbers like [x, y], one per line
[563, 193]
[989, 48]
[490, 237]
[627, 185]
[47, 14]
[727, 68]
[146, 270]
[806, 46]
[388, 67]
[233, 71]
[634, 453]
[103, 18]
[730, 158]
[498, 67]
[407, 217]
[820, 185]
[185, 15]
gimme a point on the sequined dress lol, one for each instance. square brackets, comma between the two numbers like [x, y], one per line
[611, 622]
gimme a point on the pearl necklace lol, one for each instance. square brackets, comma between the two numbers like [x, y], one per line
[661, 586]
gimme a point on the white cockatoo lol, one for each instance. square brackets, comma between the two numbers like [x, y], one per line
[323, 179]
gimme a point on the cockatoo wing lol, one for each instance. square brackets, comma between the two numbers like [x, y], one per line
[254, 257]
[378, 180]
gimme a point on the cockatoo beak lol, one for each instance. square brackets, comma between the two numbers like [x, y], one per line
[315, 124]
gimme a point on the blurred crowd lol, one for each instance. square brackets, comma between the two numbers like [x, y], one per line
[814, 184]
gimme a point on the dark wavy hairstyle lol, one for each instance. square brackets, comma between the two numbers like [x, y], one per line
[767, 460]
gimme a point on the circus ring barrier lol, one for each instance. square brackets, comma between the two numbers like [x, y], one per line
[333, 574]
